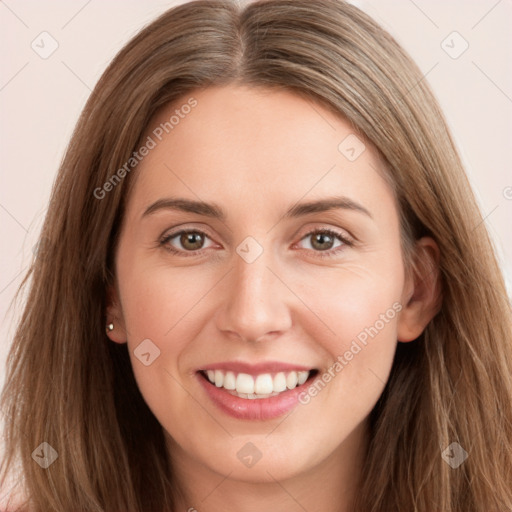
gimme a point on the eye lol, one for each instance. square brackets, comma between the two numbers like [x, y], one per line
[188, 241]
[324, 241]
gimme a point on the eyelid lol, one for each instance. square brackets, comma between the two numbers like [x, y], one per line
[174, 232]
[342, 233]
[346, 239]
[186, 228]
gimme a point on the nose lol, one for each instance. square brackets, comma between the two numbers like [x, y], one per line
[255, 302]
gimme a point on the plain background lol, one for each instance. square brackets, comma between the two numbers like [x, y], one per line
[40, 100]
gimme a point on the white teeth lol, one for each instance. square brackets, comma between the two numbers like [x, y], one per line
[264, 384]
[291, 380]
[244, 383]
[261, 386]
[280, 382]
[229, 381]
[219, 378]
[302, 377]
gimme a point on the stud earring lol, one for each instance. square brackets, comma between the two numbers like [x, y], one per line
[110, 327]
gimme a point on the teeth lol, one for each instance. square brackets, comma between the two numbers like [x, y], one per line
[302, 377]
[229, 381]
[219, 378]
[244, 383]
[280, 382]
[291, 380]
[262, 386]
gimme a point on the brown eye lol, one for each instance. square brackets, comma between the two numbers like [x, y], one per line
[322, 241]
[326, 242]
[192, 241]
[185, 241]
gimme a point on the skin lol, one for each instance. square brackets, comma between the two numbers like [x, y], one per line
[255, 153]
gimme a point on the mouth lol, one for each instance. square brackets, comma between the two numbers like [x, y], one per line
[254, 394]
[257, 387]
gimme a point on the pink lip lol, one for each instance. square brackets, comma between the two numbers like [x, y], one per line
[257, 409]
[255, 369]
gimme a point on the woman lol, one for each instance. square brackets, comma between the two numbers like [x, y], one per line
[265, 284]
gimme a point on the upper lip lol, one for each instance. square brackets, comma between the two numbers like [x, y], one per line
[256, 368]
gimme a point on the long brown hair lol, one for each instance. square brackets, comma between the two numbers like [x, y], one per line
[69, 386]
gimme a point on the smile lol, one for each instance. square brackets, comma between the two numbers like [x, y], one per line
[255, 392]
[260, 386]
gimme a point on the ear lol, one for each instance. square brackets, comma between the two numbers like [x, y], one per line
[422, 295]
[114, 316]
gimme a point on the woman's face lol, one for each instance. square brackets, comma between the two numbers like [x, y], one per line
[292, 264]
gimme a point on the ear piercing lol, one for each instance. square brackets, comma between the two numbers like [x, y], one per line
[109, 328]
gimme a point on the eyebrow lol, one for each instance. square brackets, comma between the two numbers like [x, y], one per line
[297, 210]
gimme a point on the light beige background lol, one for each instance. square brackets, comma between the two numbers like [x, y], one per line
[40, 100]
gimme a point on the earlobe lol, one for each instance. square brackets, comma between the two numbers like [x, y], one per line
[115, 327]
[422, 293]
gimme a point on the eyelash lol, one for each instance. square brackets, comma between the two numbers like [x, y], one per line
[346, 242]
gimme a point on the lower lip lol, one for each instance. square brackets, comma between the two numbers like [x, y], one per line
[253, 409]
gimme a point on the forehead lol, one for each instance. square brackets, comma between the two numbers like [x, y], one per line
[256, 145]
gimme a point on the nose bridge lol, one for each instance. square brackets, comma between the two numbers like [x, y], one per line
[255, 302]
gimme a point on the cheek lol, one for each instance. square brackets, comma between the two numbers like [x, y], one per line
[357, 309]
[157, 300]
[349, 300]
[159, 305]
